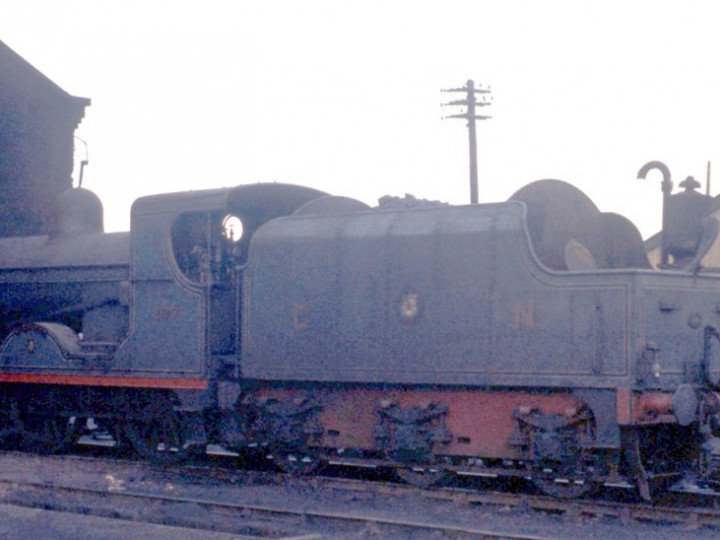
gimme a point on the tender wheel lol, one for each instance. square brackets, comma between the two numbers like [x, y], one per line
[564, 466]
[423, 477]
[565, 488]
[157, 432]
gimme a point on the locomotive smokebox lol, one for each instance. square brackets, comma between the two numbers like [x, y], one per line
[77, 212]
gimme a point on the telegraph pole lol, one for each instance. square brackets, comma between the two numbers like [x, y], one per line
[471, 103]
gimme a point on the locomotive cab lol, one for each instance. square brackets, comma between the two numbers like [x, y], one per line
[188, 254]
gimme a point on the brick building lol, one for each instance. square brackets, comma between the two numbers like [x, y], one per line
[37, 123]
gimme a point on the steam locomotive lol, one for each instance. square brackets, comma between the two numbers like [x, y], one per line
[537, 338]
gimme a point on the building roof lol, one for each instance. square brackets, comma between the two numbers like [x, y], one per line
[20, 79]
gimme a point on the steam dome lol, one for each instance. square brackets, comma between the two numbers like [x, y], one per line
[77, 211]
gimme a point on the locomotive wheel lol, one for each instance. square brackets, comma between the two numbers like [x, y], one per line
[297, 463]
[565, 488]
[564, 467]
[423, 477]
[565, 480]
[48, 433]
[157, 432]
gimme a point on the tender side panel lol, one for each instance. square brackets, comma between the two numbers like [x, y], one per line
[447, 295]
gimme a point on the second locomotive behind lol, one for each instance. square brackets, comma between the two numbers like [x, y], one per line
[530, 338]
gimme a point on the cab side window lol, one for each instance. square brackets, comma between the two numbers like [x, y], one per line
[207, 246]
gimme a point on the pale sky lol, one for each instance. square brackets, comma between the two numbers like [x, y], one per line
[345, 96]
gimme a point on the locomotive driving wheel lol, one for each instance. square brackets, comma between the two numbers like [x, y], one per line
[37, 423]
[156, 431]
[48, 433]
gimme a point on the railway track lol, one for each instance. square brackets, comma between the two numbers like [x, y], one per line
[137, 491]
[116, 498]
[241, 519]
[235, 518]
[691, 510]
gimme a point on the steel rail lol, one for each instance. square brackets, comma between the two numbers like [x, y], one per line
[690, 516]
